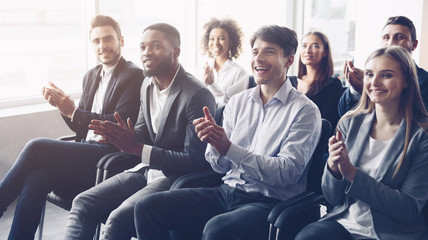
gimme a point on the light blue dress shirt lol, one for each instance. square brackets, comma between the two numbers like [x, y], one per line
[271, 144]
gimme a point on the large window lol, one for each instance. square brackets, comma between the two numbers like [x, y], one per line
[41, 41]
[188, 17]
[47, 40]
[336, 19]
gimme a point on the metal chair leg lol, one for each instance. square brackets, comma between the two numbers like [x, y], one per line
[97, 232]
[39, 232]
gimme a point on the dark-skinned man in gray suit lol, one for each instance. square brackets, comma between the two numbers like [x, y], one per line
[163, 138]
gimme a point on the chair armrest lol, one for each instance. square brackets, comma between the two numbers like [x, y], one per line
[117, 163]
[292, 219]
[206, 178]
[106, 158]
[289, 213]
[67, 138]
[277, 210]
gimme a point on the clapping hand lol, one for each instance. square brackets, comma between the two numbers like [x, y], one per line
[59, 99]
[338, 161]
[208, 75]
[208, 131]
[354, 76]
[120, 134]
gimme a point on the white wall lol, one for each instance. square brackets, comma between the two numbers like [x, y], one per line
[371, 16]
[17, 130]
[423, 45]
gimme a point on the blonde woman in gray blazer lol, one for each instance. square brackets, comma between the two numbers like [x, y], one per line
[375, 178]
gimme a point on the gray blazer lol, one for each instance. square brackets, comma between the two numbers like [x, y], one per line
[176, 147]
[396, 202]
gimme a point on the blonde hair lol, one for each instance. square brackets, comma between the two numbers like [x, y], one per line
[411, 104]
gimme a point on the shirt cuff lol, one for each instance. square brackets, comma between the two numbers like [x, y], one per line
[355, 95]
[235, 154]
[145, 155]
[72, 115]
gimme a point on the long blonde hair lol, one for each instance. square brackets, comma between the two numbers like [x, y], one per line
[411, 104]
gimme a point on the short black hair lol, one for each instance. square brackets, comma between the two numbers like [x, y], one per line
[284, 37]
[172, 34]
[402, 20]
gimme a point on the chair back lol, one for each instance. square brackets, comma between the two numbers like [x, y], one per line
[218, 116]
[318, 159]
[251, 82]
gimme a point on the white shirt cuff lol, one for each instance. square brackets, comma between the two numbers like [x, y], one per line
[145, 155]
[72, 115]
[235, 154]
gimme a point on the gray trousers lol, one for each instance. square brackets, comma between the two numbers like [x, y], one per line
[114, 200]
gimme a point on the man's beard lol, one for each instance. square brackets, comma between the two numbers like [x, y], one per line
[115, 53]
[161, 68]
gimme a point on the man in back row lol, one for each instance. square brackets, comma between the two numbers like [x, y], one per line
[398, 30]
[69, 167]
[268, 136]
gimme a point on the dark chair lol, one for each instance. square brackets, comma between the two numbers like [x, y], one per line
[282, 226]
[251, 83]
[114, 163]
[107, 166]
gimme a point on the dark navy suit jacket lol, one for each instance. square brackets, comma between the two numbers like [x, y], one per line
[122, 96]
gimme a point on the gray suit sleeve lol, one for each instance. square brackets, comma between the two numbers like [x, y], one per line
[192, 158]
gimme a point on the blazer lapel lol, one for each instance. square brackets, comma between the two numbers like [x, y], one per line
[112, 83]
[146, 109]
[360, 142]
[174, 91]
[93, 87]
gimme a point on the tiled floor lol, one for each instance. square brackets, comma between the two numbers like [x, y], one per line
[55, 222]
[54, 227]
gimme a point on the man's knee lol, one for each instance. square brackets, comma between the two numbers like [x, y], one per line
[145, 206]
[124, 213]
[218, 227]
[83, 204]
[36, 144]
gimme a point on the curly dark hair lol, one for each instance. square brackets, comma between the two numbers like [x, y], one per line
[231, 27]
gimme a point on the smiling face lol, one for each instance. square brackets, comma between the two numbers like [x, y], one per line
[268, 63]
[313, 50]
[219, 43]
[396, 34]
[384, 81]
[106, 45]
[156, 53]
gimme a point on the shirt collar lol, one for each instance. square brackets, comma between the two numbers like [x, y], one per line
[109, 72]
[228, 63]
[281, 95]
[154, 83]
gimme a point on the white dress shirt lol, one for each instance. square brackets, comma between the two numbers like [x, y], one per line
[157, 102]
[230, 80]
[97, 105]
[271, 144]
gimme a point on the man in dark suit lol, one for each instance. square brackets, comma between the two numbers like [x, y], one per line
[163, 139]
[398, 30]
[47, 164]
